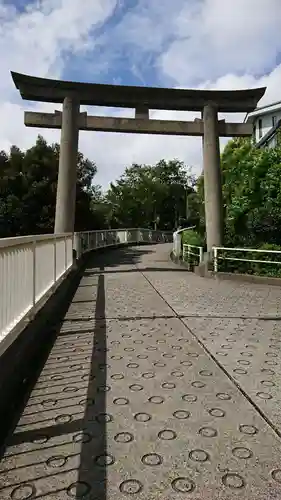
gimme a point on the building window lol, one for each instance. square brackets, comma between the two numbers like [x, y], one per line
[273, 121]
[260, 128]
[254, 133]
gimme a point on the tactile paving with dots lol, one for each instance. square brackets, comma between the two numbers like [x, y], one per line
[190, 295]
[157, 418]
[250, 350]
[137, 409]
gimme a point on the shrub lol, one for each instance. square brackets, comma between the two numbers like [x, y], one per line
[263, 269]
[191, 237]
[254, 268]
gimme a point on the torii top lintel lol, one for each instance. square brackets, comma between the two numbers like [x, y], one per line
[46, 90]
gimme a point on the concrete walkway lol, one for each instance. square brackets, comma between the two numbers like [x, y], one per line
[160, 385]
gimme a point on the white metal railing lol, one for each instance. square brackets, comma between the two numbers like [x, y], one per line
[31, 265]
[190, 251]
[217, 257]
[91, 240]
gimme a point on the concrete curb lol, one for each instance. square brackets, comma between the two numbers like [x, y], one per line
[202, 272]
[248, 278]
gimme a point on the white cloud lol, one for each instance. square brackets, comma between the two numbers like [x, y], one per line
[216, 37]
[34, 43]
[215, 44]
[149, 25]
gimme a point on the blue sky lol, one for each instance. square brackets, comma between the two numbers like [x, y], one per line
[128, 61]
[215, 44]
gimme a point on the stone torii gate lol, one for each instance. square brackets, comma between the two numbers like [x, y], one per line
[142, 99]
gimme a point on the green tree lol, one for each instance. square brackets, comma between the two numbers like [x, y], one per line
[151, 196]
[28, 184]
[252, 193]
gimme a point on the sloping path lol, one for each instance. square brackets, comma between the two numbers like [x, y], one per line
[145, 396]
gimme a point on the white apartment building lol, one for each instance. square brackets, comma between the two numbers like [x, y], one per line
[266, 121]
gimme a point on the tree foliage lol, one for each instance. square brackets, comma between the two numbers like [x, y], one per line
[252, 193]
[152, 196]
[28, 183]
[149, 196]
[251, 184]
[145, 196]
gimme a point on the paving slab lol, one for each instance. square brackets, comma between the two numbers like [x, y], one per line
[250, 351]
[130, 405]
[190, 295]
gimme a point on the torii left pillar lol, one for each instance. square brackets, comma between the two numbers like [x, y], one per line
[66, 188]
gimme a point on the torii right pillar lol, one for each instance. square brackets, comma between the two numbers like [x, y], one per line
[212, 178]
